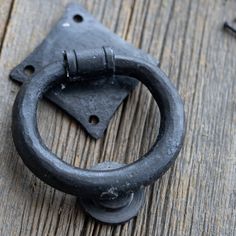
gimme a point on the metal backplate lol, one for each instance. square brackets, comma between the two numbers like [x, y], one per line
[92, 104]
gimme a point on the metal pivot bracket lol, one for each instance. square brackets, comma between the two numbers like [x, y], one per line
[91, 103]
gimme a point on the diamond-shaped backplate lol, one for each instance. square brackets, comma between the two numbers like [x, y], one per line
[84, 101]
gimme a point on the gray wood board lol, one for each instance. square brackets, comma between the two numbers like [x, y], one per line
[197, 195]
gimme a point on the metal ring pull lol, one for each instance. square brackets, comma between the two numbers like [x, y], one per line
[110, 192]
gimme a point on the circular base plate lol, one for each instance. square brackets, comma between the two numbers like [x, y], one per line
[114, 216]
[115, 211]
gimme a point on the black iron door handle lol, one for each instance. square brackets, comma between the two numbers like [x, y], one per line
[111, 192]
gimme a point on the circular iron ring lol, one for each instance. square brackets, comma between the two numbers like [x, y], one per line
[83, 182]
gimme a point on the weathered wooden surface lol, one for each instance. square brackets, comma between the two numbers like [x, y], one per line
[198, 194]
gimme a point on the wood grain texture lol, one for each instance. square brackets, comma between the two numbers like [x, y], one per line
[197, 196]
[5, 16]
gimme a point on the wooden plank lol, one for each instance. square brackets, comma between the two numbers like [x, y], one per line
[197, 195]
[5, 16]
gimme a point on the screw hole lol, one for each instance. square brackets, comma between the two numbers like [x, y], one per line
[78, 18]
[93, 120]
[29, 70]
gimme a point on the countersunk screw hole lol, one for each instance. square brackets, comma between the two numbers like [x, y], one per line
[29, 70]
[78, 18]
[93, 119]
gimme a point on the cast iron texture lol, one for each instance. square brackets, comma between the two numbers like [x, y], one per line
[117, 183]
[78, 30]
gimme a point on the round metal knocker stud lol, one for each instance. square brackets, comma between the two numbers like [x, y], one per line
[112, 209]
[110, 192]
